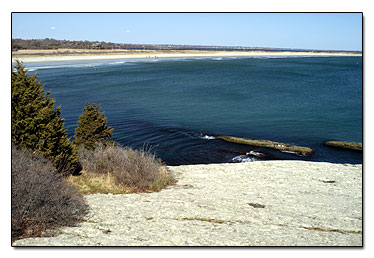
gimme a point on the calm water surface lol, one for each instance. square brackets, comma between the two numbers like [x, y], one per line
[176, 105]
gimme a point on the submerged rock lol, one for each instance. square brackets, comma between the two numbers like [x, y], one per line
[256, 153]
[356, 146]
[305, 151]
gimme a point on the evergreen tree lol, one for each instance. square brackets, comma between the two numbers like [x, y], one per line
[92, 127]
[36, 123]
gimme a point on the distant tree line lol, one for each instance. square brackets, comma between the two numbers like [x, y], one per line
[48, 43]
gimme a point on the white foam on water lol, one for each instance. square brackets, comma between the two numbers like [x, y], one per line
[255, 153]
[208, 137]
[243, 158]
[280, 56]
[292, 152]
[34, 68]
[55, 65]
[285, 151]
[118, 62]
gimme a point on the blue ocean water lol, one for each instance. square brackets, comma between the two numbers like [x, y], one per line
[177, 105]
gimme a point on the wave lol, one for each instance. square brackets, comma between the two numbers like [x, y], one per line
[45, 66]
[243, 158]
[150, 60]
[295, 153]
[255, 153]
[284, 56]
[96, 64]
[35, 68]
[207, 137]
[118, 62]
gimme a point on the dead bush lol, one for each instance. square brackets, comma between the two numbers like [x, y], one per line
[137, 169]
[41, 197]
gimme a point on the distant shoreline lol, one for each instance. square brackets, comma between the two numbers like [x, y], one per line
[36, 56]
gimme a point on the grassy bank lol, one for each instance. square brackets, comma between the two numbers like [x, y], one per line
[117, 170]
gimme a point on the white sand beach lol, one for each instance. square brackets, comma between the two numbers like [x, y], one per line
[35, 56]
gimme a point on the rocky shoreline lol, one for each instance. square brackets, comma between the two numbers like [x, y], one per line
[262, 203]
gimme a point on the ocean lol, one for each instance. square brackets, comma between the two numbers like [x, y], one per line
[174, 106]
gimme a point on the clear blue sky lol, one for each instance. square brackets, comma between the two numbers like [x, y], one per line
[329, 31]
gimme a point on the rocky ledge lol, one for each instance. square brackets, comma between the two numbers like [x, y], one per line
[355, 146]
[264, 203]
[299, 150]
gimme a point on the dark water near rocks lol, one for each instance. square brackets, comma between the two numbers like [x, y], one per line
[176, 105]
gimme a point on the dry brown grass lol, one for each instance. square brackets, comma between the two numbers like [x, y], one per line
[101, 183]
[131, 170]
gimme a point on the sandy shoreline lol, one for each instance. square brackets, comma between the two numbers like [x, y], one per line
[32, 56]
[264, 203]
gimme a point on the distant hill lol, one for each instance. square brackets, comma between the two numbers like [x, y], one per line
[47, 43]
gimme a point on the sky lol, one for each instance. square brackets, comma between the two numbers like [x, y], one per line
[324, 31]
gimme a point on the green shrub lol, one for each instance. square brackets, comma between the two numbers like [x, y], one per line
[92, 127]
[139, 170]
[36, 124]
[41, 197]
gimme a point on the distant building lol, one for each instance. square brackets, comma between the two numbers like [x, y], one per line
[96, 45]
